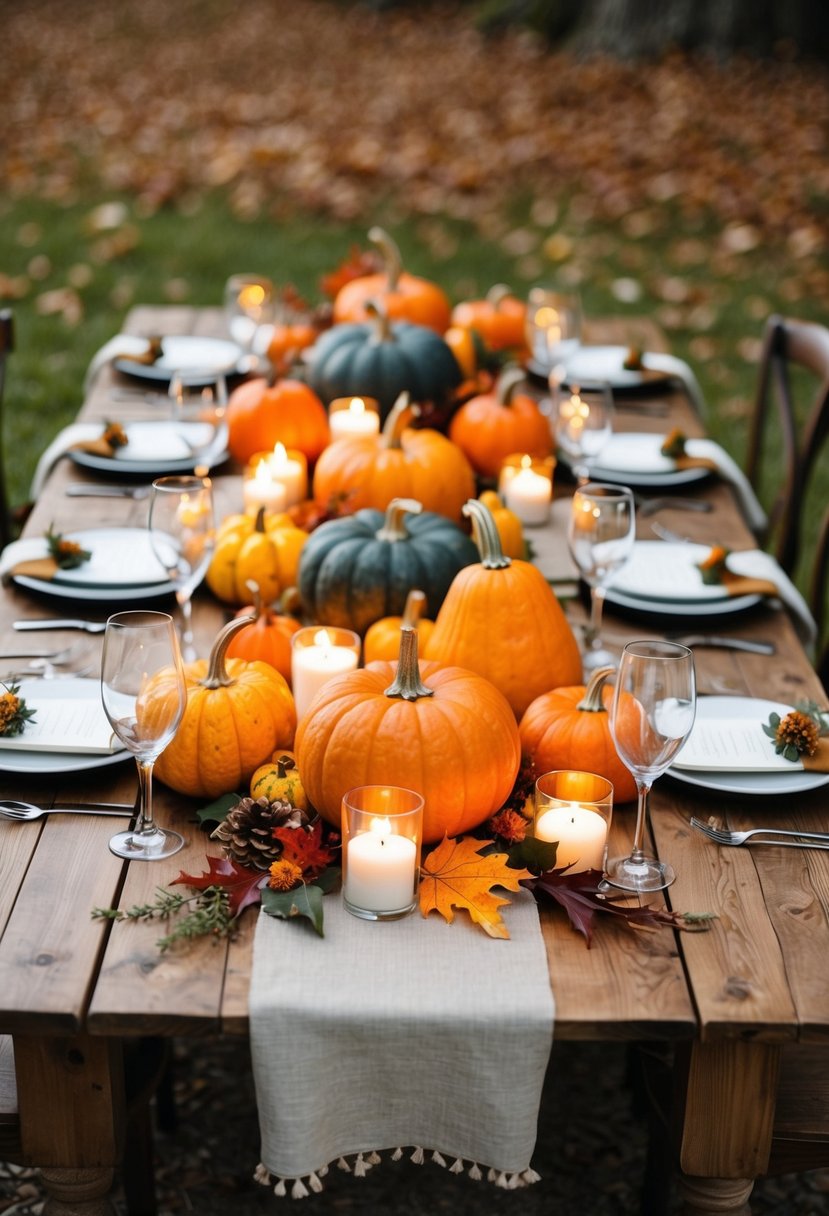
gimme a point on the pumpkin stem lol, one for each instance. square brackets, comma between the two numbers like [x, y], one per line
[217, 675]
[259, 522]
[508, 382]
[376, 310]
[283, 763]
[592, 702]
[407, 682]
[485, 535]
[256, 598]
[392, 261]
[413, 609]
[400, 415]
[497, 293]
[393, 527]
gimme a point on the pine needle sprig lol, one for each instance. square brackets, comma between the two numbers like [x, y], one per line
[210, 914]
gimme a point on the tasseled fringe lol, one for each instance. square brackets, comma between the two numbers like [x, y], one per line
[300, 1188]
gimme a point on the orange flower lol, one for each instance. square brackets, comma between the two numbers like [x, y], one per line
[509, 825]
[285, 875]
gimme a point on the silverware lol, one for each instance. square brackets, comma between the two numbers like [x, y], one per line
[25, 811]
[55, 656]
[87, 626]
[79, 490]
[649, 506]
[718, 643]
[801, 839]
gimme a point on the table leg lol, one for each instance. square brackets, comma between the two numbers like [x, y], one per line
[77, 1192]
[712, 1196]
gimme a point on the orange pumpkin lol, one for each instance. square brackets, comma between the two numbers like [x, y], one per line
[492, 426]
[401, 462]
[567, 728]
[382, 640]
[289, 338]
[264, 547]
[502, 619]
[405, 296]
[237, 715]
[499, 319]
[268, 637]
[441, 731]
[262, 413]
[510, 528]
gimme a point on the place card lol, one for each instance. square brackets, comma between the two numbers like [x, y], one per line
[726, 745]
[69, 724]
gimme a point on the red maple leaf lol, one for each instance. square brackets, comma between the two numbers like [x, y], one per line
[306, 849]
[242, 884]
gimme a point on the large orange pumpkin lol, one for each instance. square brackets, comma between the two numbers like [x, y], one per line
[401, 462]
[405, 296]
[262, 413]
[237, 715]
[502, 619]
[498, 319]
[567, 728]
[492, 426]
[441, 731]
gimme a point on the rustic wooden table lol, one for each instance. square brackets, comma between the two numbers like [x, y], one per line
[73, 989]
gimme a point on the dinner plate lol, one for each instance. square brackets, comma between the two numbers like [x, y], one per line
[633, 458]
[160, 447]
[37, 691]
[661, 579]
[605, 363]
[122, 567]
[766, 783]
[187, 353]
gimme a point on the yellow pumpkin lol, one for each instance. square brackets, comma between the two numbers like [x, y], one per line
[279, 780]
[263, 548]
[510, 530]
[382, 640]
[238, 714]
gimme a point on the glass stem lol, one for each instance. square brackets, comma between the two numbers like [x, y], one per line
[637, 852]
[594, 629]
[188, 648]
[146, 823]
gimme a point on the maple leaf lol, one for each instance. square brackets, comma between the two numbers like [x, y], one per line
[456, 875]
[306, 849]
[242, 885]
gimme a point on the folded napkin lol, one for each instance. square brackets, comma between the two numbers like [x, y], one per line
[405, 1034]
[121, 346]
[27, 557]
[819, 762]
[754, 572]
[85, 435]
[680, 370]
[704, 453]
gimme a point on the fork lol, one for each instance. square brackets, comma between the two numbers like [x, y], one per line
[649, 506]
[82, 490]
[25, 811]
[801, 841]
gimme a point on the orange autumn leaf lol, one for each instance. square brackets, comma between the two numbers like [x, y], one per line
[456, 875]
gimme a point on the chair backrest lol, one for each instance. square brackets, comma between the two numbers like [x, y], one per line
[6, 346]
[818, 595]
[789, 343]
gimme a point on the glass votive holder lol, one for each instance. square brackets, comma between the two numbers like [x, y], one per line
[553, 326]
[381, 835]
[286, 467]
[349, 416]
[574, 809]
[525, 483]
[261, 489]
[318, 653]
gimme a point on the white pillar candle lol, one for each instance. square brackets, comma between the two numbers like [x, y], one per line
[355, 419]
[380, 869]
[581, 836]
[290, 470]
[261, 490]
[529, 494]
[313, 666]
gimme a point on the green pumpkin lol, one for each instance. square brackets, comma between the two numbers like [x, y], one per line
[359, 568]
[382, 359]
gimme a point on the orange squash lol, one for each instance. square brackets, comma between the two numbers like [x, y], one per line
[405, 296]
[237, 715]
[510, 528]
[382, 640]
[567, 728]
[502, 619]
[263, 412]
[441, 731]
[492, 426]
[268, 637]
[401, 462]
[499, 319]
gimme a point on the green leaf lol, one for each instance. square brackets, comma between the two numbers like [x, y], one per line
[218, 810]
[305, 900]
[532, 854]
[329, 880]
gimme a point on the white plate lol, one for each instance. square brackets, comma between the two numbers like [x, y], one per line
[683, 608]
[157, 448]
[34, 691]
[186, 353]
[634, 458]
[605, 363]
[122, 567]
[662, 571]
[775, 784]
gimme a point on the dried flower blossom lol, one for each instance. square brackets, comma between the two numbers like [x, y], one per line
[795, 735]
[13, 711]
[285, 875]
[509, 825]
[67, 553]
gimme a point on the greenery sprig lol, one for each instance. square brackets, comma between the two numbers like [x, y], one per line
[211, 914]
[14, 713]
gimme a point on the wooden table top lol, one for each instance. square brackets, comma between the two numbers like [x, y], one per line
[758, 974]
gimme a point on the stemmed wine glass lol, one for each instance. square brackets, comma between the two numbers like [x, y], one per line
[582, 421]
[651, 716]
[144, 694]
[553, 326]
[248, 305]
[600, 535]
[199, 402]
[182, 536]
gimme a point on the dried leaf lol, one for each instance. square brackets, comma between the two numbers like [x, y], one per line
[242, 885]
[306, 849]
[456, 875]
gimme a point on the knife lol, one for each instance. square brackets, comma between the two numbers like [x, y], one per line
[87, 626]
[705, 639]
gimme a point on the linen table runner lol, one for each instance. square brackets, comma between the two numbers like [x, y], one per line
[410, 1035]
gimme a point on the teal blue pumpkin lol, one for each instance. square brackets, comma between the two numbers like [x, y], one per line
[355, 570]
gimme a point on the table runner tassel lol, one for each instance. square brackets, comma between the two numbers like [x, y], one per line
[438, 1158]
[530, 1176]
[457, 1166]
[475, 1172]
[342, 1164]
[417, 1156]
[299, 1190]
[397, 1155]
[360, 1167]
[374, 1158]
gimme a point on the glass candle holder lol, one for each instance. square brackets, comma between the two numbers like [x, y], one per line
[353, 416]
[574, 809]
[283, 467]
[525, 483]
[317, 655]
[381, 835]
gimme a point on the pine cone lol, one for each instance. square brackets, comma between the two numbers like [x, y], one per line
[799, 731]
[246, 832]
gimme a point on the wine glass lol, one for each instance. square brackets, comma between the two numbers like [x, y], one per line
[651, 716]
[182, 536]
[600, 535]
[248, 305]
[144, 694]
[553, 325]
[199, 402]
[582, 421]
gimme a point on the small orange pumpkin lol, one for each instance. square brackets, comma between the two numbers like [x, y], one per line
[263, 412]
[268, 637]
[499, 319]
[382, 640]
[567, 728]
[405, 296]
[510, 528]
[492, 426]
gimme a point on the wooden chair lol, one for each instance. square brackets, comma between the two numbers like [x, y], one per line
[789, 344]
[818, 594]
[6, 347]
